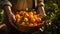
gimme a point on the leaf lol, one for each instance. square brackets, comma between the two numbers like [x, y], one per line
[23, 18]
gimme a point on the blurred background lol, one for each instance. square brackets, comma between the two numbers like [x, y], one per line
[52, 26]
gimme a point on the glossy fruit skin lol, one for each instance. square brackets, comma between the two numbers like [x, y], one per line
[23, 23]
[35, 24]
[34, 13]
[24, 18]
[27, 15]
[18, 17]
[28, 22]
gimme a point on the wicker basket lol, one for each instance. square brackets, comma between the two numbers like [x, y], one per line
[27, 29]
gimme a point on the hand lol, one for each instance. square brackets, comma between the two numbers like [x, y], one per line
[41, 10]
[10, 15]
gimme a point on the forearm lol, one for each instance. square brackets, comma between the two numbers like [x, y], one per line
[41, 10]
[41, 7]
[9, 13]
[5, 5]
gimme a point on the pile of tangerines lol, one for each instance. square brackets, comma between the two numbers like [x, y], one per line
[28, 18]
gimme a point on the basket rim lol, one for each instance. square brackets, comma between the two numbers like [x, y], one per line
[39, 25]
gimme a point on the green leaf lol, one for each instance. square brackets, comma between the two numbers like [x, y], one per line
[23, 18]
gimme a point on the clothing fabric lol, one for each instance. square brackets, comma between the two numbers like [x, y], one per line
[20, 4]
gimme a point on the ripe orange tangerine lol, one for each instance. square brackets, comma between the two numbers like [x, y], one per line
[21, 13]
[17, 16]
[27, 23]
[35, 24]
[34, 12]
[26, 19]
[30, 13]
[38, 19]
[35, 16]
[27, 15]
[23, 23]
[31, 24]
[31, 16]
[18, 20]
[33, 20]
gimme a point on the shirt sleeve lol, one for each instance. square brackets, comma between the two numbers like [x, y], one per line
[5, 3]
[40, 3]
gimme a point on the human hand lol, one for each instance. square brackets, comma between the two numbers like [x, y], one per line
[10, 15]
[41, 10]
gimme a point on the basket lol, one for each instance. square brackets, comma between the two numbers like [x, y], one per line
[27, 29]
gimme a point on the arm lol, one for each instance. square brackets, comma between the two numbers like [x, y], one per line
[41, 8]
[10, 15]
[6, 5]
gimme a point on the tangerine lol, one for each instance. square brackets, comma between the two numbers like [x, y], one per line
[23, 23]
[26, 19]
[31, 24]
[34, 12]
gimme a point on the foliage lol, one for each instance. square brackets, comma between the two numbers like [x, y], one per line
[52, 25]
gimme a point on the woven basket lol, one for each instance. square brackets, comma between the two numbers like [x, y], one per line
[27, 29]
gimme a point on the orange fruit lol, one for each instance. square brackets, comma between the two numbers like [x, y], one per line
[35, 24]
[38, 19]
[33, 20]
[30, 13]
[18, 20]
[26, 19]
[31, 16]
[17, 16]
[27, 23]
[21, 13]
[35, 16]
[27, 15]
[30, 24]
[34, 12]
[23, 23]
